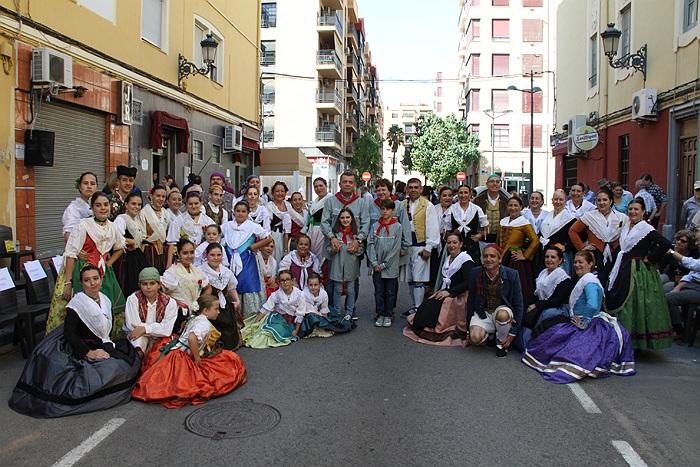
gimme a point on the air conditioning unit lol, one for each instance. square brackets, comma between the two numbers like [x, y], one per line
[51, 67]
[575, 122]
[233, 138]
[644, 104]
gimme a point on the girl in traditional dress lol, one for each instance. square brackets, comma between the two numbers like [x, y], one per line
[276, 323]
[603, 227]
[213, 208]
[315, 213]
[185, 282]
[345, 267]
[78, 368]
[258, 213]
[590, 343]
[300, 219]
[223, 285]
[554, 231]
[190, 369]
[468, 220]
[578, 206]
[442, 317]
[96, 236]
[174, 203]
[132, 226]
[535, 214]
[635, 293]
[552, 289]
[79, 208]
[280, 222]
[212, 234]
[157, 220]
[514, 231]
[319, 320]
[190, 225]
[301, 261]
[243, 238]
[268, 268]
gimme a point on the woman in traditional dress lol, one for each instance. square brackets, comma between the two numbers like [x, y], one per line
[174, 203]
[268, 269]
[157, 220]
[315, 213]
[468, 220]
[79, 208]
[280, 222]
[620, 201]
[185, 282]
[442, 318]
[213, 208]
[602, 226]
[223, 286]
[554, 231]
[535, 214]
[96, 236]
[515, 230]
[635, 293]
[190, 224]
[132, 226]
[552, 288]
[301, 262]
[590, 343]
[300, 219]
[258, 213]
[438, 255]
[242, 239]
[190, 369]
[78, 368]
[578, 206]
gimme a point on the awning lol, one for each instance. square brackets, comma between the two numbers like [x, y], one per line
[284, 161]
[250, 144]
[182, 130]
[560, 149]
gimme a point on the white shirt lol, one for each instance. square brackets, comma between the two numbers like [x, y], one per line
[432, 229]
[153, 329]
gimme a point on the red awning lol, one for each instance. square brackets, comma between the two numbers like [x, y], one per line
[250, 144]
[182, 130]
[560, 149]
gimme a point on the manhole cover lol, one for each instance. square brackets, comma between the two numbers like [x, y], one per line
[232, 419]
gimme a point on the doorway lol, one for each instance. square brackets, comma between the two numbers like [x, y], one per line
[688, 150]
[162, 163]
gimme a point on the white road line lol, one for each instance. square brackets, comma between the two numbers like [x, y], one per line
[629, 454]
[587, 403]
[86, 446]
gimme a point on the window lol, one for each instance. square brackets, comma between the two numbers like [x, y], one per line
[532, 62]
[201, 28]
[438, 107]
[593, 65]
[197, 150]
[500, 64]
[500, 30]
[408, 139]
[408, 128]
[267, 53]
[473, 129]
[532, 30]
[532, 3]
[439, 91]
[499, 100]
[473, 100]
[394, 115]
[570, 171]
[474, 30]
[268, 18]
[216, 154]
[153, 22]
[537, 136]
[105, 8]
[536, 101]
[690, 14]
[500, 136]
[500, 2]
[625, 27]
[407, 115]
[625, 161]
[474, 61]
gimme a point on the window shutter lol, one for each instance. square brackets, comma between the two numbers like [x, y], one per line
[500, 2]
[532, 62]
[537, 101]
[532, 3]
[500, 64]
[475, 99]
[532, 30]
[500, 99]
[537, 136]
[152, 21]
[501, 28]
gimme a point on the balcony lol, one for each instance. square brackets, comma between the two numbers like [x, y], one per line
[328, 134]
[328, 64]
[351, 121]
[329, 100]
[349, 148]
[267, 58]
[352, 94]
[333, 4]
[268, 98]
[268, 136]
[328, 22]
[355, 63]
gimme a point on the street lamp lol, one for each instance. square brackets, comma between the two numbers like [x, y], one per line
[186, 68]
[491, 113]
[532, 92]
[638, 61]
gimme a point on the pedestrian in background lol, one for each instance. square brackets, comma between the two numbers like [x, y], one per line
[660, 198]
[690, 208]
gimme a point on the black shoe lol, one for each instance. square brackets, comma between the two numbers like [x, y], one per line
[501, 352]
[408, 312]
[491, 342]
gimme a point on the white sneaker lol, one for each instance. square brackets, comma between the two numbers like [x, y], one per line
[380, 322]
[324, 333]
[387, 322]
[347, 317]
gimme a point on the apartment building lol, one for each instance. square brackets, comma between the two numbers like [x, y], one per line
[406, 116]
[505, 43]
[319, 88]
[92, 84]
[446, 96]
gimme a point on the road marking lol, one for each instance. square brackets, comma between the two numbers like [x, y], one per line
[587, 403]
[86, 446]
[629, 454]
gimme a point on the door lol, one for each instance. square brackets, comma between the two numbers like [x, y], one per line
[688, 150]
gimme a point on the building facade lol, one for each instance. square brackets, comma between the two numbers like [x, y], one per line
[503, 43]
[99, 79]
[646, 122]
[406, 116]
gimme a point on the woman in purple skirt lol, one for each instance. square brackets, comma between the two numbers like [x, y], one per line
[589, 344]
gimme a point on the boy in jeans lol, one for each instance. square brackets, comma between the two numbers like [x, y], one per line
[385, 244]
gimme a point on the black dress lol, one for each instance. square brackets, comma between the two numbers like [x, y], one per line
[469, 245]
[227, 324]
[560, 237]
[134, 261]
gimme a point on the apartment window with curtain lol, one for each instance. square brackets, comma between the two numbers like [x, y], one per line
[626, 28]
[473, 100]
[593, 65]
[153, 24]
[625, 161]
[500, 30]
[473, 129]
[690, 14]
[500, 64]
[268, 18]
[537, 136]
[500, 99]
[474, 64]
[501, 136]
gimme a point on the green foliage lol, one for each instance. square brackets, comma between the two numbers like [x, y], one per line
[367, 153]
[395, 138]
[443, 148]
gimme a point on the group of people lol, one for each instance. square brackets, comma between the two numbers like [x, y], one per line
[154, 295]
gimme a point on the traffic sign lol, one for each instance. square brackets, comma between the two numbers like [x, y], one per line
[461, 176]
[366, 176]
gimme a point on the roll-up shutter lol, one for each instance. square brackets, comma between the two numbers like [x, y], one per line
[79, 147]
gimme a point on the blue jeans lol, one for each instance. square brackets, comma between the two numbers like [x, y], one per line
[384, 294]
[336, 288]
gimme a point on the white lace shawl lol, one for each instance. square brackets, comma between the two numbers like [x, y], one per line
[223, 280]
[547, 282]
[106, 237]
[463, 217]
[554, 224]
[76, 210]
[292, 257]
[301, 220]
[517, 222]
[316, 304]
[98, 318]
[449, 268]
[606, 229]
[185, 286]
[629, 237]
[578, 289]
[135, 225]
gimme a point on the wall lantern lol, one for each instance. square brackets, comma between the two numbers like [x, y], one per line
[186, 68]
[611, 39]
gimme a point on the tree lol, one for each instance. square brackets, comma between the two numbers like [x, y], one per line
[394, 137]
[366, 156]
[443, 148]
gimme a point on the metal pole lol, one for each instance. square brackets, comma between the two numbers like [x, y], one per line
[493, 140]
[532, 130]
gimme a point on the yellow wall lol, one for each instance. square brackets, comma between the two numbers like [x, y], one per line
[7, 145]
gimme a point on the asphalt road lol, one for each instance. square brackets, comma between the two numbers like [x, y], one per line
[374, 397]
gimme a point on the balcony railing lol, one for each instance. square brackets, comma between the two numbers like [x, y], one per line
[268, 98]
[328, 57]
[351, 119]
[330, 19]
[268, 136]
[328, 97]
[267, 58]
[328, 134]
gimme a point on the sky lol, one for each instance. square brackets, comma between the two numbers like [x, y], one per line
[411, 40]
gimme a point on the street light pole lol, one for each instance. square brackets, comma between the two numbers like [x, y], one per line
[532, 92]
[491, 113]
